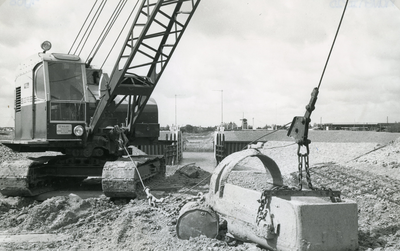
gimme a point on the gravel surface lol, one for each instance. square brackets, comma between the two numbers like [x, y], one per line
[366, 172]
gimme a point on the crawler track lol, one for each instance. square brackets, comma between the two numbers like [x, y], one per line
[34, 176]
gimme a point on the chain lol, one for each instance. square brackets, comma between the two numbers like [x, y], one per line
[303, 161]
[122, 141]
[300, 167]
[263, 208]
[308, 175]
[136, 169]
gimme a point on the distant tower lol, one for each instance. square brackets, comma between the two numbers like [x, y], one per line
[244, 123]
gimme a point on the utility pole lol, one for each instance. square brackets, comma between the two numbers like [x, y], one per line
[222, 106]
[176, 111]
[176, 116]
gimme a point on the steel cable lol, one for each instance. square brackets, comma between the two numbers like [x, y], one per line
[91, 26]
[102, 32]
[333, 44]
[136, 169]
[265, 135]
[129, 17]
[83, 25]
[107, 28]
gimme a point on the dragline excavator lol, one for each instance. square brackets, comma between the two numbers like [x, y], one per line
[65, 105]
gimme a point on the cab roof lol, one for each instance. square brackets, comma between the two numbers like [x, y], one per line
[28, 64]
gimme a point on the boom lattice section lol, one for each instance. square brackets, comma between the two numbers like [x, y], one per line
[151, 41]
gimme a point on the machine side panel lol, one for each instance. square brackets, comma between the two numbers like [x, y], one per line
[41, 120]
[24, 85]
[26, 122]
[17, 115]
[150, 113]
[17, 126]
[23, 98]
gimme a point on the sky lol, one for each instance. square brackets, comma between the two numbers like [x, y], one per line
[255, 59]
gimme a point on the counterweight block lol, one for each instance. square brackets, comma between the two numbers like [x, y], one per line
[287, 220]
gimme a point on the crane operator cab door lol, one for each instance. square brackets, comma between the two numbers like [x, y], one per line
[39, 104]
[50, 99]
[67, 98]
[30, 100]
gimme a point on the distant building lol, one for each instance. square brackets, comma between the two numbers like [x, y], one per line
[379, 127]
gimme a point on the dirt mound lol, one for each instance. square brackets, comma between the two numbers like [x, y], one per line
[7, 154]
[378, 199]
[383, 155]
[101, 224]
[383, 160]
[285, 153]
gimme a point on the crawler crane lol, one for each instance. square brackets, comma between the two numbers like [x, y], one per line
[63, 104]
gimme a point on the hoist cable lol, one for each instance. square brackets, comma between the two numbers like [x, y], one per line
[265, 135]
[136, 169]
[83, 25]
[95, 21]
[88, 26]
[302, 140]
[116, 40]
[333, 44]
[90, 29]
[111, 21]
[102, 32]
[276, 147]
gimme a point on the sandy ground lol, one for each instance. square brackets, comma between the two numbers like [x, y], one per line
[366, 172]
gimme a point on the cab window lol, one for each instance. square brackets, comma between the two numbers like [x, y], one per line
[39, 83]
[66, 81]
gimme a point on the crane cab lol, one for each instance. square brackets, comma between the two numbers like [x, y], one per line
[50, 99]
[56, 96]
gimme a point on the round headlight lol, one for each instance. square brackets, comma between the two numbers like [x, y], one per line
[78, 130]
[46, 45]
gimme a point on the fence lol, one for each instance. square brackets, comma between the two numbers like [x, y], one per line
[228, 142]
[223, 148]
[170, 144]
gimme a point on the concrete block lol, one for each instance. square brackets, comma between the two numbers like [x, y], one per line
[297, 222]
